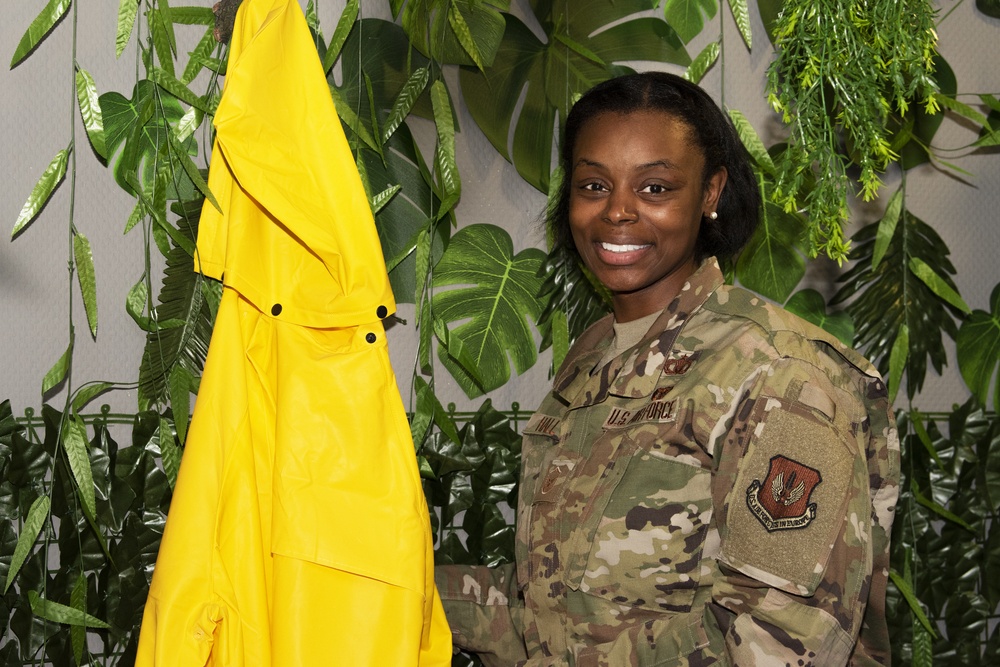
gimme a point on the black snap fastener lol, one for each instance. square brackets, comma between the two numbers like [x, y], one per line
[276, 309]
[370, 337]
[381, 312]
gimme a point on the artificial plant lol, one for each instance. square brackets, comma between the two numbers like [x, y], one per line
[72, 496]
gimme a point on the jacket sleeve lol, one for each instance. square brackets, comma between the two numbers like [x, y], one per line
[803, 496]
[485, 611]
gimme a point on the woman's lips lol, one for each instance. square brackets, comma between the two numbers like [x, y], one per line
[620, 253]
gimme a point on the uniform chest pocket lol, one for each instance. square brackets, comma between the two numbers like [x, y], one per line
[644, 547]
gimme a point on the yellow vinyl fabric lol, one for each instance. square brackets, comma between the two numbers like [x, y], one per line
[298, 533]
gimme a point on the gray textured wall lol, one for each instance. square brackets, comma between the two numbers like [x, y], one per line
[37, 105]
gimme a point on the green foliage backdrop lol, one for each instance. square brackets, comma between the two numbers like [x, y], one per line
[81, 517]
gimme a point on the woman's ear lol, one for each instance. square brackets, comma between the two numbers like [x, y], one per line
[713, 191]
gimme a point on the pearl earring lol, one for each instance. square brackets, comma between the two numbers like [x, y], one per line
[713, 215]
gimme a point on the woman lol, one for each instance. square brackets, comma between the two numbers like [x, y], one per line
[711, 478]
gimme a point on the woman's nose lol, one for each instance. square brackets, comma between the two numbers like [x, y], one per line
[620, 209]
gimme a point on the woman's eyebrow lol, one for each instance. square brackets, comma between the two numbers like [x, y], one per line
[664, 163]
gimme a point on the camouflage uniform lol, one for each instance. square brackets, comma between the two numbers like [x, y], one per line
[722, 491]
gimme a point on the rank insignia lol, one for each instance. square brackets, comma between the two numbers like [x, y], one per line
[781, 501]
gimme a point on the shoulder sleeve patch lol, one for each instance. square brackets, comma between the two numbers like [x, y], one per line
[789, 501]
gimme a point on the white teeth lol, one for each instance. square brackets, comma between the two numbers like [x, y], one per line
[614, 247]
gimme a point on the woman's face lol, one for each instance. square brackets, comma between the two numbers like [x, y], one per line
[637, 198]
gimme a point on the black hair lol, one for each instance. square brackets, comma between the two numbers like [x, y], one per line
[711, 132]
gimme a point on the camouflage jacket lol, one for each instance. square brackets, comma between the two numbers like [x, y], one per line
[721, 492]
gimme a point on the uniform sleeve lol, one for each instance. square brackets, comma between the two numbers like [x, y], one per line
[484, 610]
[803, 498]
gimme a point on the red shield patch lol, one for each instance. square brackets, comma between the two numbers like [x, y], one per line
[781, 501]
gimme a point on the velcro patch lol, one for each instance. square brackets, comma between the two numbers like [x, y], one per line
[789, 498]
[781, 501]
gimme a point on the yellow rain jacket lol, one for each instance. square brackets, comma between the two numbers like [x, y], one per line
[298, 533]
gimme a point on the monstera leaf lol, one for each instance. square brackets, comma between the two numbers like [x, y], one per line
[495, 305]
[459, 32]
[375, 72]
[892, 295]
[979, 350]
[583, 41]
[139, 127]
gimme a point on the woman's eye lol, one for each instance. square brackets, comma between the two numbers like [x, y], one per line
[593, 187]
[655, 189]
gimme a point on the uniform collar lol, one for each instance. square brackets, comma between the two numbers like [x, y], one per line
[636, 373]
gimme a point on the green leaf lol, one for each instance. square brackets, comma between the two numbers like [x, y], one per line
[938, 509]
[810, 306]
[351, 119]
[166, 15]
[170, 453]
[978, 346]
[741, 15]
[961, 109]
[127, 10]
[90, 110]
[930, 278]
[423, 414]
[989, 7]
[464, 35]
[74, 441]
[169, 83]
[907, 592]
[751, 141]
[887, 227]
[89, 392]
[78, 601]
[340, 33]
[43, 189]
[136, 130]
[772, 262]
[580, 49]
[897, 361]
[532, 81]
[384, 59]
[39, 28]
[57, 373]
[702, 63]
[135, 302]
[180, 399]
[60, 613]
[88, 281]
[917, 421]
[37, 515]
[160, 37]
[137, 214]
[444, 153]
[191, 15]
[189, 122]
[560, 338]
[499, 301]
[379, 201]
[407, 97]
[688, 17]
[181, 298]
[881, 300]
[434, 31]
[180, 154]
[199, 57]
